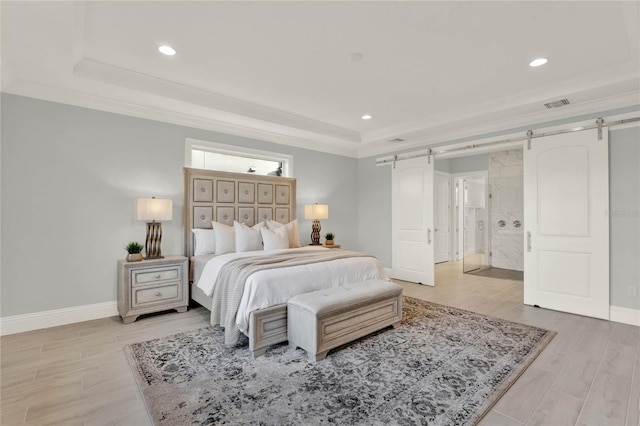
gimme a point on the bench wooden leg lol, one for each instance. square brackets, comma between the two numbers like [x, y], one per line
[258, 352]
[318, 357]
[395, 324]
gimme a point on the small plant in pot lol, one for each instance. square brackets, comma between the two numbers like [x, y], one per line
[135, 251]
[329, 237]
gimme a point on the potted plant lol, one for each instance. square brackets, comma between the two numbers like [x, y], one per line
[329, 237]
[135, 251]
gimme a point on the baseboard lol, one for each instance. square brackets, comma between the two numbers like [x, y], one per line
[37, 320]
[624, 315]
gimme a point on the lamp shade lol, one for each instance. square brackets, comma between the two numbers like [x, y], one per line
[316, 211]
[154, 209]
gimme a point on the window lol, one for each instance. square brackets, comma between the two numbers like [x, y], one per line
[231, 158]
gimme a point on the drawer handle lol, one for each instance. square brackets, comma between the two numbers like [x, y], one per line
[157, 276]
[246, 192]
[202, 217]
[158, 293]
[203, 190]
[226, 191]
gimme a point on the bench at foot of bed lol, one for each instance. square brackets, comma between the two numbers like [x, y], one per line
[325, 319]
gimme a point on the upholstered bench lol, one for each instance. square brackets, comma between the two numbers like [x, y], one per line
[325, 319]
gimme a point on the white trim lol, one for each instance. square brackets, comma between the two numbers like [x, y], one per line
[465, 128]
[475, 145]
[200, 119]
[624, 315]
[45, 319]
[190, 144]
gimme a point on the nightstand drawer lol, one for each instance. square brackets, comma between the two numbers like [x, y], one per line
[147, 276]
[156, 294]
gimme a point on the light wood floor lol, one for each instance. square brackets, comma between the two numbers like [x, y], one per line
[78, 375]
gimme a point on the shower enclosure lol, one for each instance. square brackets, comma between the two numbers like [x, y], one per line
[472, 218]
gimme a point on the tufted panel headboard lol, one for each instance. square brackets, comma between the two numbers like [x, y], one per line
[225, 197]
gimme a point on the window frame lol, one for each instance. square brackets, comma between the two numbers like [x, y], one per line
[240, 151]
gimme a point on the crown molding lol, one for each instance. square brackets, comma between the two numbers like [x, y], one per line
[203, 118]
[297, 138]
[617, 79]
[225, 105]
[460, 130]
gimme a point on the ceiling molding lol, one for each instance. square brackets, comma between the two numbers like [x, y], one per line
[460, 131]
[122, 77]
[533, 98]
[118, 106]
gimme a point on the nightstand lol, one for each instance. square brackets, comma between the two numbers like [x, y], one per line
[152, 286]
[335, 246]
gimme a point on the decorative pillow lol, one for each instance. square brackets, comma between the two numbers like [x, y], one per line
[225, 238]
[248, 239]
[204, 241]
[292, 229]
[278, 239]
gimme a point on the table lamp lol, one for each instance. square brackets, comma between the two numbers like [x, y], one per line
[316, 212]
[153, 210]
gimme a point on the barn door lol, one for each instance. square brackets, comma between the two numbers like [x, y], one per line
[412, 221]
[566, 202]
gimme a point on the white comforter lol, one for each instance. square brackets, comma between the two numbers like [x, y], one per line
[275, 286]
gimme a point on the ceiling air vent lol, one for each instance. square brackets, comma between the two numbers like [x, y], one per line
[395, 140]
[557, 104]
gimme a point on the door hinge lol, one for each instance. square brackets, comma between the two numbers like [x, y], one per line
[490, 254]
[490, 196]
[529, 136]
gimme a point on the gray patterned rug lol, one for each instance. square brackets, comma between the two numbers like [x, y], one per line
[442, 366]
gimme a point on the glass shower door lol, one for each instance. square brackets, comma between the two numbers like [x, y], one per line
[474, 219]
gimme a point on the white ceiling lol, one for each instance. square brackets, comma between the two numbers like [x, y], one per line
[283, 72]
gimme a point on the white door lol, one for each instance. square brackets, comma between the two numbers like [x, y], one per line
[566, 202]
[442, 217]
[412, 220]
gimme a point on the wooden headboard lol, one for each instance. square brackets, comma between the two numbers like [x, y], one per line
[225, 197]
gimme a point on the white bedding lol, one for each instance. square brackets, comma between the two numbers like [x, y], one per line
[275, 286]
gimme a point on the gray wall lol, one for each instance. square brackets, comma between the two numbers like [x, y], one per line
[70, 177]
[374, 207]
[624, 222]
[472, 163]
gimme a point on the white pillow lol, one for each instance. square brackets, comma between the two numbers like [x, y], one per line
[204, 241]
[248, 239]
[278, 239]
[225, 238]
[292, 229]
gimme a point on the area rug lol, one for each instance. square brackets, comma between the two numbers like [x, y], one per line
[442, 366]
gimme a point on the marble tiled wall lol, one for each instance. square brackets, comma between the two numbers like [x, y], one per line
[506, 183]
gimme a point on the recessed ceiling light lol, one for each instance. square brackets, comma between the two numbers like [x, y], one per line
[538, 62]
[167, 50]
[366, 117]
[357, 57]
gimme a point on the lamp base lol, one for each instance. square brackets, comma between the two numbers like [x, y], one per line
[315, 233]
[153, 240]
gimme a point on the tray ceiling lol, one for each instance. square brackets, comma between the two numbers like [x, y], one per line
[285, 71]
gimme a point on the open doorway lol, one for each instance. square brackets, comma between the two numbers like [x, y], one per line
[487, 232]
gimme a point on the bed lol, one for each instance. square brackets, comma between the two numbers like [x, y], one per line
[249, 199]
